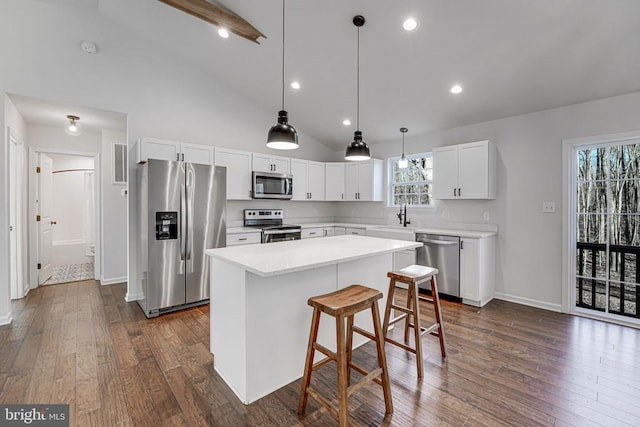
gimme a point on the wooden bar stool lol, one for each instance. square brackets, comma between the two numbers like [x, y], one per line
[413, 276]
[344, 304]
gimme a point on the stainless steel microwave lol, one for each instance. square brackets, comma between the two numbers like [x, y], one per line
[270, 185]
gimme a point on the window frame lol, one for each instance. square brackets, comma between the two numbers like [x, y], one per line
[391, 161]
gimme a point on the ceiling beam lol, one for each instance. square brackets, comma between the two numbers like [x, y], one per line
[218, 16]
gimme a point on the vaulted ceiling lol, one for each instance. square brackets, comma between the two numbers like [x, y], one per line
[510, 56]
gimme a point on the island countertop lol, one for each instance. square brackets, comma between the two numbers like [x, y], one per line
[297, 255]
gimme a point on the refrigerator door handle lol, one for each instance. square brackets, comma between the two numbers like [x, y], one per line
[183, 226]
[190, 172]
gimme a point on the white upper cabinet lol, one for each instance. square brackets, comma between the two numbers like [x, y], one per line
[308, 179]
[465, 171]
[334, 181]
[163, 149]
[238, 164]
[268, 163]
[363, 180]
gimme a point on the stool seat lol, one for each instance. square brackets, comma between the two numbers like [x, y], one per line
[351, 299]
[414, 272]
[343, 305]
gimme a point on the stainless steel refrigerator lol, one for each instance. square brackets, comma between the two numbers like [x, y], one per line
[182, 212]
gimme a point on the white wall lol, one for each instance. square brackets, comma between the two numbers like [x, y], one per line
[161, 95]
[529, 257]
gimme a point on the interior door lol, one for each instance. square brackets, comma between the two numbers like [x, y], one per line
[44, 208]
[16, 156]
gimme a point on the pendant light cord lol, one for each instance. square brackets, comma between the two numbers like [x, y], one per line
[282, 54]
[358, 83]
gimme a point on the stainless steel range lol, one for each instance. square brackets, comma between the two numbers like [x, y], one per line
[272, 226]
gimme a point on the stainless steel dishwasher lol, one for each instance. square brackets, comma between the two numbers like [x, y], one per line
[441, 252]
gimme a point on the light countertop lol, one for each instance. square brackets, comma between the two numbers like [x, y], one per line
[296, 255]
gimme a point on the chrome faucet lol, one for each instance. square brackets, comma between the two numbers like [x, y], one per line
[402, 216]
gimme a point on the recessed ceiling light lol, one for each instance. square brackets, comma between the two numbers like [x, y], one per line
[222, 32]
[456, 89]
[346, 122]
[410, 24]
[295, 85]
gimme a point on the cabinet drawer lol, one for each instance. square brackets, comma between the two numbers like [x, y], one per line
[243, 238]
[308, 233]
[356, 231]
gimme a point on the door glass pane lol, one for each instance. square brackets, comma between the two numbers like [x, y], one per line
[624, 196]
[592, 196]
[624, 247]
[585, 290]
[591, 164]
[624, 161]
[623, 303]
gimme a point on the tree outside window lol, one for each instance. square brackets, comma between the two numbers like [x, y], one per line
[413, 184]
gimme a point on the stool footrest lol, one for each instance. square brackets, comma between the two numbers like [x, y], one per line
[363, 371]
[399, 344]
[364, 333]
[402, 309]
[397, 319]
[321, 363]
[324, 350]
[371, 376]
[430, 329]
[324, 402]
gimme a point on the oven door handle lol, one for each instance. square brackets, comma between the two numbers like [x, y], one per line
[281, 231]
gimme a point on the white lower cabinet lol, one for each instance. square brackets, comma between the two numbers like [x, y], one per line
[309, 233]
[477, 270]
[356, 231]
[243, 238]
[334, 231]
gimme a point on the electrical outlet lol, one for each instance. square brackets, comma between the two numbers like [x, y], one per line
[445, 214]
[548, 207]
[123, 192]
[486, 216]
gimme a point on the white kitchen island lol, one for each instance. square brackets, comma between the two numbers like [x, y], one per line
[259, 314]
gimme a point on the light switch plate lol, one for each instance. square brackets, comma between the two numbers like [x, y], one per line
[548, 207]
[123, 192]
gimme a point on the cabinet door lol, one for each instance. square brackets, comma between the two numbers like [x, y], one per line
[473, 170]
[194, 153]
[351, 181]
[334, 181]
[469, 271]
[299, 172]
[281, 164]
[161, 149]
[339, 231]
[261, 162]
[365, 180]
[238, 164]
[329, 231]
[445, 172]
[315, 180]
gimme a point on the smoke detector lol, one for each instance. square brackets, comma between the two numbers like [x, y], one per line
[88, 47]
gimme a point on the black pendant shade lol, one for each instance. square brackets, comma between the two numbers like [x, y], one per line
[358, 150]
[282, 136]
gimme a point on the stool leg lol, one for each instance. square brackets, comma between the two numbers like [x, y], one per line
[382, 360]
[308, 366]
[410, 297]
[416, 328]
[387, 310]
[343, 409]
[349, 346]
[436, 307]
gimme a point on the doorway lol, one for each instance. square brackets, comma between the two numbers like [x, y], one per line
[605, 227]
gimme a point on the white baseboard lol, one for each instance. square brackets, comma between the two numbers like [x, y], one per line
[130, 297]
[6, 319]
[529, 302]
[113, 281]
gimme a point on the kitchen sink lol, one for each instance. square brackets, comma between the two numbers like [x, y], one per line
[387, 232]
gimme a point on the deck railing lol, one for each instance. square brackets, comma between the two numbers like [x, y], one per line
[591, 283]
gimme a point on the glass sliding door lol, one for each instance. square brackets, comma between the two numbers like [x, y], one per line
[607, 228]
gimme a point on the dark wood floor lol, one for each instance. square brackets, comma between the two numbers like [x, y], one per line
[82, 344]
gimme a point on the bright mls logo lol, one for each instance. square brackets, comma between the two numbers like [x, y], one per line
[34, 415]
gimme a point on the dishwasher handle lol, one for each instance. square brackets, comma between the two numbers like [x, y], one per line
[438, 242]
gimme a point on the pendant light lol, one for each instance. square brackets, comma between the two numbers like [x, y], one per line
[282, 136]
[358, 150]
[403, 162]
[72, 127]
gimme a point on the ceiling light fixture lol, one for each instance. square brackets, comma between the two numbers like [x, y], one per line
[358, 150]
[295, 85]
[346, 122]
[456, 89]
[403, 162]
[409, 24]
[222, 32]
[72, 127]
[282, 136]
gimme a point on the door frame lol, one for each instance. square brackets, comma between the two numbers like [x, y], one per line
[18, 278]
[568, 220]
[33, 192]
